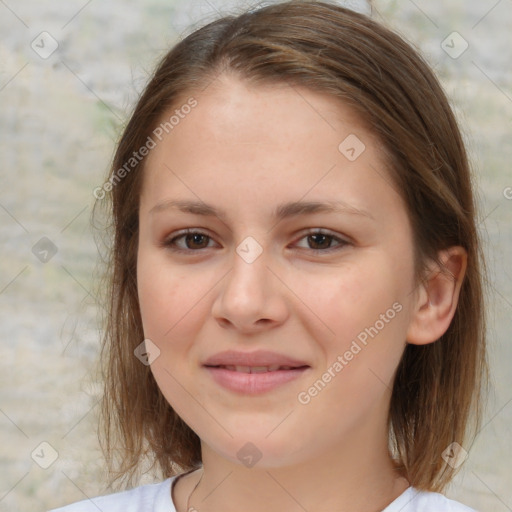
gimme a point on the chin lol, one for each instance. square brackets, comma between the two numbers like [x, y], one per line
[259, 450]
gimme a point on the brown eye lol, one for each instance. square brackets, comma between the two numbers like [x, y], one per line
[320, 241]
[189, 241]
[194, 240]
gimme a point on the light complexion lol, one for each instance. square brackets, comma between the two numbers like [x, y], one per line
[247, 151]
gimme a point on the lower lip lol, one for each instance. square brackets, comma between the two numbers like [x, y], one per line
[253, 383]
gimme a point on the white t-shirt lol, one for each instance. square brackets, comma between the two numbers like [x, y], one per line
[157, 498]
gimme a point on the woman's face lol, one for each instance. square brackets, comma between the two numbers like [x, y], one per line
[257, 279]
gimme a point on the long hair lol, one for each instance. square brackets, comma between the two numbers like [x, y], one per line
[438, 387]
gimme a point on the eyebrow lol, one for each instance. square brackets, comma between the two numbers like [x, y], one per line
[283, 211]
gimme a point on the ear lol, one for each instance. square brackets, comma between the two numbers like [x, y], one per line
[437, 297]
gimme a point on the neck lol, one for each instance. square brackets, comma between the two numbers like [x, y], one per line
[353, 476]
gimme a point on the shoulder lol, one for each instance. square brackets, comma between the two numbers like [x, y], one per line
[413, 500]
[155, 497]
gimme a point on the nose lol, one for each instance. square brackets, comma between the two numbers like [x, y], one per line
[251, 298]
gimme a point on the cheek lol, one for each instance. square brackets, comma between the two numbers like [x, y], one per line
[167, 299]
[171, 311]
[362, 333]
[347, 300]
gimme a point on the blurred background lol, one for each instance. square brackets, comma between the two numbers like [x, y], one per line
[69, 74]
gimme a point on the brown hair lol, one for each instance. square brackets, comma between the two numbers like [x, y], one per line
[437, 393]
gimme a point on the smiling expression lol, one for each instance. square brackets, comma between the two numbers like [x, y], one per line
[294, 247]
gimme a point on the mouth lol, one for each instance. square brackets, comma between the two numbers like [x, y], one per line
[254, 380]
[256, 369]
[253, 373]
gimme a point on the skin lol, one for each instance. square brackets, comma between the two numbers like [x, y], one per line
[247, 149]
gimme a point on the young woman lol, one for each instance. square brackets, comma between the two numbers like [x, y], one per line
[296, 318]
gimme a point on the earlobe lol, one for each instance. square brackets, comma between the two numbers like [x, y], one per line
[438, 296]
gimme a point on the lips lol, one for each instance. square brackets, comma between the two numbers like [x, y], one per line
[253, 373]
[253, 360]
[254, 369]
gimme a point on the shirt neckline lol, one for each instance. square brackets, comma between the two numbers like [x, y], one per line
[170, 490]
[400, 502]
[396, 505]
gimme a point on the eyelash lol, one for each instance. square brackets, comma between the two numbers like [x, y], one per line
[171, 241]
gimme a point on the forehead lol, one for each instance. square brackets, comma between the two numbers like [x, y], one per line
[242, 142]
[254, 113]
[231, 110]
